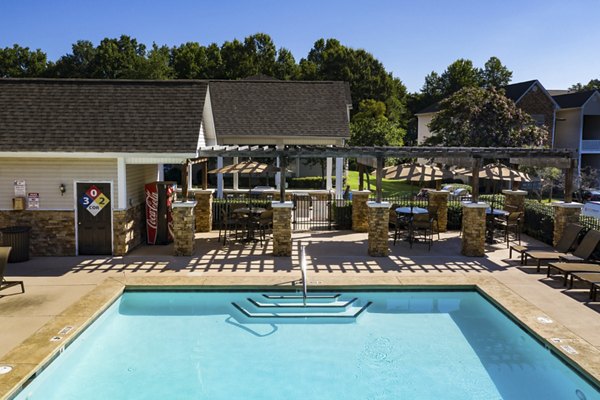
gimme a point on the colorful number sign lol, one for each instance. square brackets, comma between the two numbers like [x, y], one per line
[94, 200]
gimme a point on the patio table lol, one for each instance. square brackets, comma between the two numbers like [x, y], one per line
[491, 214]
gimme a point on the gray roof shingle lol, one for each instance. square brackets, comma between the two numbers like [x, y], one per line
[72, 115]
[573, 100]
[280, 108]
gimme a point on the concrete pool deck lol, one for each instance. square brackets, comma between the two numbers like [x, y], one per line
[68, 291]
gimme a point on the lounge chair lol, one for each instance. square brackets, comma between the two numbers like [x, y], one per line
[4, 284]
[564, 245]
[568, 268]
[593, 278]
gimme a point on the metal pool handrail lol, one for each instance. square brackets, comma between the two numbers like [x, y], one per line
[303, 270]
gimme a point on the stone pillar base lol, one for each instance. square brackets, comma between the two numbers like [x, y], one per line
[439, 199]
[360, 211]
[282, 228]
[379, 218]
[184, 228]
[203, 211]
[514, 199]
[473, 229]
[564, 213]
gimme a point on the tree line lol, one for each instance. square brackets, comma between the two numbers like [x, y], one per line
[383, 110]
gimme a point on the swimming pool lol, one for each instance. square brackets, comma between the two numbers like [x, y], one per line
[351, 345]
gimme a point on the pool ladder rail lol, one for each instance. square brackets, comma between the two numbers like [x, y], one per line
[299, 306]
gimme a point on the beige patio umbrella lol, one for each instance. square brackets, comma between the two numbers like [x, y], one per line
[245, 167]
[415, 172]
[497, 172]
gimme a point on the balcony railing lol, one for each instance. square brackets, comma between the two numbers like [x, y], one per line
[590, 145]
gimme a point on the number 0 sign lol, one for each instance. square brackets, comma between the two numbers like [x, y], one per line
[94, 200]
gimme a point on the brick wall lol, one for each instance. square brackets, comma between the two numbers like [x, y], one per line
[129, 229]
[536, 102]
[52, 232]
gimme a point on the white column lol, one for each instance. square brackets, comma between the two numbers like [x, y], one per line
[339, 177]
[277, 175]
[328, 172]
[122, 184]
[190, 168]
[160, 172]
[236, 177]
[220, 178]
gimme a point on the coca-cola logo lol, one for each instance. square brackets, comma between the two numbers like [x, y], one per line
[152, 204]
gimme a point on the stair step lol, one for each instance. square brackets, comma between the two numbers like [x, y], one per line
[347, 314]
[300, 297]
[336, 304]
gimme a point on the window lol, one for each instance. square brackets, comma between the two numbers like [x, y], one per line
[540, 119]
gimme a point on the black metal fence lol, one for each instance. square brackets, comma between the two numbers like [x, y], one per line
[320, 212]
[309, 212]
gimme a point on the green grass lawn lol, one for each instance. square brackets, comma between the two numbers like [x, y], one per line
[389, 186]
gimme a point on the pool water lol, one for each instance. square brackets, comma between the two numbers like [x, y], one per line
[358, 345]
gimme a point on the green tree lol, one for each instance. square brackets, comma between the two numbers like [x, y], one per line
[330, 60]
[494, 74]
[121, 58]
[591, 85]
[483, 118]
[20, 62]
[189, 61]
[285, 66]
[78, 64]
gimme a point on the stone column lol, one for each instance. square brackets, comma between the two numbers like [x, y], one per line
[515, 198]
[360, 211]
[282, 228]
[564, 213]
[379, 218]
[203, 210]
[473, 229]
[439, 199]
[183, 228]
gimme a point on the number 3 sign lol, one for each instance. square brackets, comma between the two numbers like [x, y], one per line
[94, 200]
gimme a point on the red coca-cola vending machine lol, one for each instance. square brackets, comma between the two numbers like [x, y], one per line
[159, 221]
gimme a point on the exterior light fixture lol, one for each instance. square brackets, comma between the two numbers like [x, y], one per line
[62, 189]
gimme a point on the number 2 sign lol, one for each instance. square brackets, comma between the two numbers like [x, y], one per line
[94, 200]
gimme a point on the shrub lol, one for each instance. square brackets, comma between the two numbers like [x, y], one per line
[454, 216]
[539, 221]
[309, 182]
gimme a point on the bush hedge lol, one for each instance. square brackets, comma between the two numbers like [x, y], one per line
[308, 182]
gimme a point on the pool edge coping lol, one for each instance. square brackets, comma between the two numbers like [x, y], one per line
[34, 354]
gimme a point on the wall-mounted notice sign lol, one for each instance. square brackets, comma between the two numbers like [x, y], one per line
[33, 201]
[20, 189]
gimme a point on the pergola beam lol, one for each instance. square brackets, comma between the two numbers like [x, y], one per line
[543, 157]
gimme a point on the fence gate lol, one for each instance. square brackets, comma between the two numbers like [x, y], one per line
[320, 212]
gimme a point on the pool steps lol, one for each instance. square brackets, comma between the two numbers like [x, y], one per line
[334, 308]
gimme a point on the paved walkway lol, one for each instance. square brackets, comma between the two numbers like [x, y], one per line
[54, 283]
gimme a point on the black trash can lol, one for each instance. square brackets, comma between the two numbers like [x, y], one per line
[16, 237]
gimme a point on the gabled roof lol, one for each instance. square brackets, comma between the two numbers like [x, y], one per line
[85, 115]
[514, 91]
[517, 90]
[574, 100]
[280, 108]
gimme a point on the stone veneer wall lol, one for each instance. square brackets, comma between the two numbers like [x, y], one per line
[439, 199]
[184, 228]
[473, 229]
[360, 211]
[564, 213]
[52, 232]
[203, 210]
[129, 229]
[282, 229]
[515, 198]
[379, 218]
[536, 102]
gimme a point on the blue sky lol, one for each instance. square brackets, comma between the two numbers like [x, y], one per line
[557, 42]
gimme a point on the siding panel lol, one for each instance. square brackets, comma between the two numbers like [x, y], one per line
[44, 176]
[137, 176]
